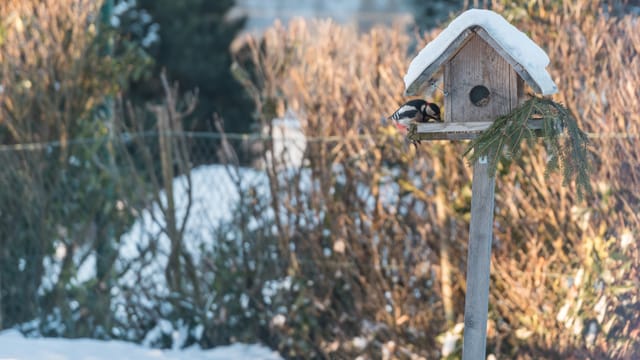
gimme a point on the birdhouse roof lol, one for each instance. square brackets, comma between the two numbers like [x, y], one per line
[527, 58]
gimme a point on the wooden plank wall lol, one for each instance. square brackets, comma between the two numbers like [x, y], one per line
[477, 63]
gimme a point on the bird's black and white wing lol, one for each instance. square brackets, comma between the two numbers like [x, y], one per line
[409, 112]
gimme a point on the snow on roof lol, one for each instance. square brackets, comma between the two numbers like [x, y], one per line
[512, 41]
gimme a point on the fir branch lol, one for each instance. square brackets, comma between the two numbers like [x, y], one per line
[566, 144]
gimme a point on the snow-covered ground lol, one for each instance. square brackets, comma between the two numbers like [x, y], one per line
[14, 346]
[216, 192]
[217, 196]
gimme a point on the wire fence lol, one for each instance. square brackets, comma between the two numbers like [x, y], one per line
[98, 235]
[62, 202]
[241, 137]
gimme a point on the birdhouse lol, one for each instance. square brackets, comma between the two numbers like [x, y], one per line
[483, 65]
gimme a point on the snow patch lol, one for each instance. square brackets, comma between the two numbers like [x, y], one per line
[15, 346]
[216, 192]
[289, 143]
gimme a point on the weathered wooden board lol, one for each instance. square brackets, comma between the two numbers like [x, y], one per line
[476, 304]
[449, 131]
[459, 131]
[423, 81]
[453, 127]
[478, 64]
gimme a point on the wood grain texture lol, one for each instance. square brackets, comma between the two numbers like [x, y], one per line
[447, 136]
[446, 81]
[453, 127]
[423, 81]
[477, 63]
[476, 304]
[520, 70]
[460, 131]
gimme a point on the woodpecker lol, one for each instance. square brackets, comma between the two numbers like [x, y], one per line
[415, 111]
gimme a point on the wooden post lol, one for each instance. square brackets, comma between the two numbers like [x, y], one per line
[478, 262]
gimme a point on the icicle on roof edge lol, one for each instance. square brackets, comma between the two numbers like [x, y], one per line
[513, 41]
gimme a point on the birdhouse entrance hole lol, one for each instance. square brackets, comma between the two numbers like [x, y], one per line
[479, 95]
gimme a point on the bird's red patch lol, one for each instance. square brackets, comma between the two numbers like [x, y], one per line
[401, 127]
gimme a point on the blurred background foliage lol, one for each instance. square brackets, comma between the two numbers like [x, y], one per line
[190, 40]
[356, 249]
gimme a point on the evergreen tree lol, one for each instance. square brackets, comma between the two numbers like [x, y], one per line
[191, 39]
[431, 14]
[61, 192]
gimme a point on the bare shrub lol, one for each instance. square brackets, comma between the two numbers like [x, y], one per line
[378, 232]
[55, 81]
[362, 224]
